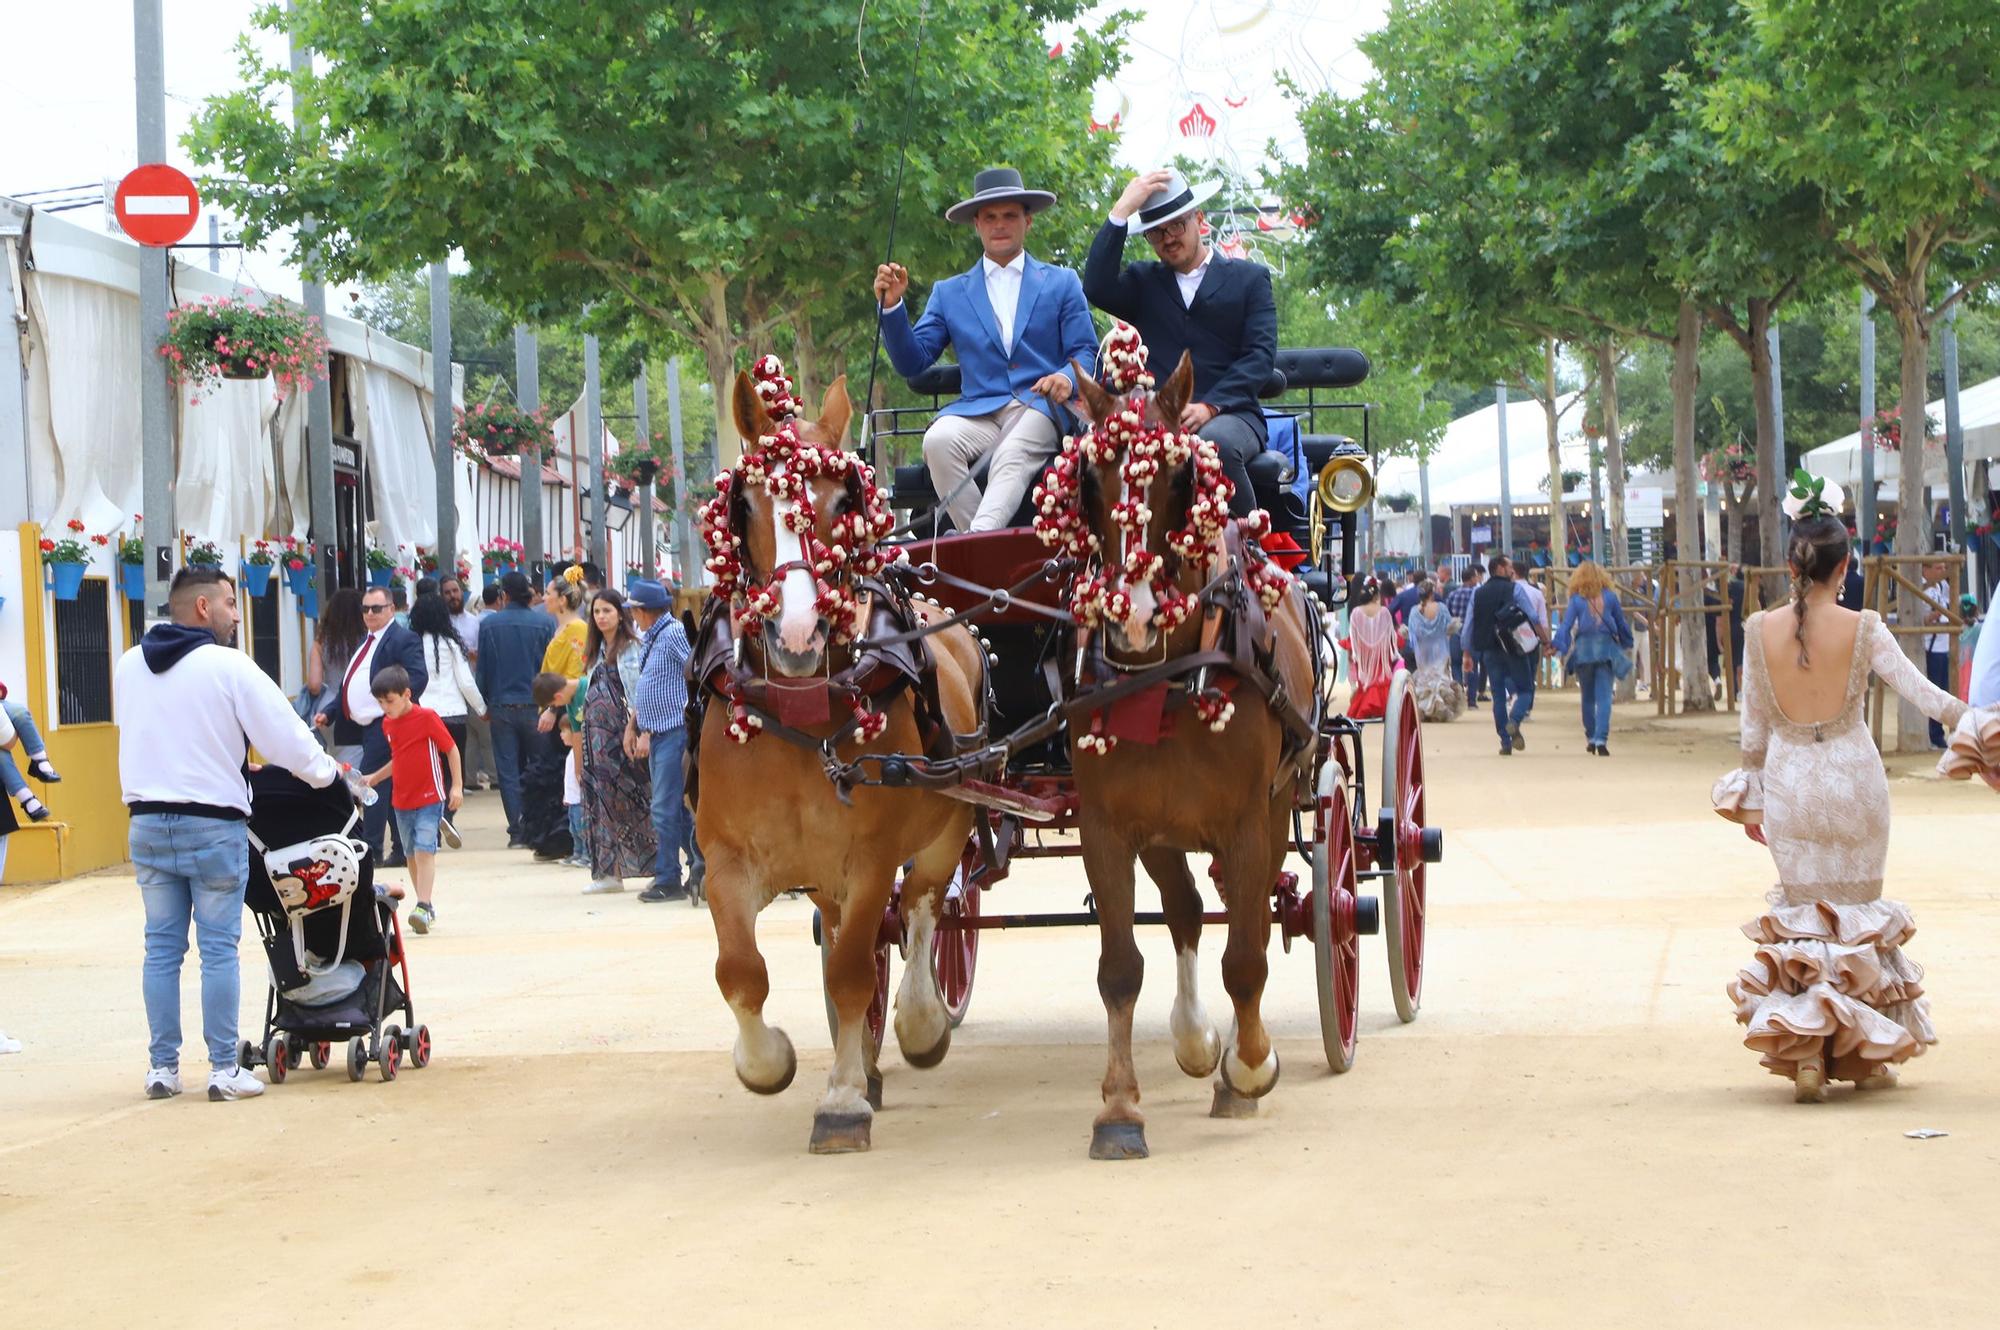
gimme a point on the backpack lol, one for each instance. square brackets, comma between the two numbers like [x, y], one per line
[1515, 631]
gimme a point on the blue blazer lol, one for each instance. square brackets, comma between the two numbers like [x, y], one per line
[1051, 327]
[399, 646]
[1230, 331]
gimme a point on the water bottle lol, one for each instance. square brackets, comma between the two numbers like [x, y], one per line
[364, 793]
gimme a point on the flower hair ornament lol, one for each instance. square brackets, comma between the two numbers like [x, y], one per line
[1141, 451]
[1813, 496]
[783, 465]
[573, 574]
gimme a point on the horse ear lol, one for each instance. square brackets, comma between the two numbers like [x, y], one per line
[1097, 403]
[835, 412]
[1172, 398]
[753, 422]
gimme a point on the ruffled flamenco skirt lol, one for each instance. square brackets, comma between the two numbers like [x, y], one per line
[1439, 697]
[1369, 700]
[1830, 980]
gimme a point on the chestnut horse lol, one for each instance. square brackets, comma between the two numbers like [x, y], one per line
[1169, 578]
[768, 817]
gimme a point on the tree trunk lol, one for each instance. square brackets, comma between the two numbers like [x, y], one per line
[1687, 588]
[1627, 688]
[1770, 466]
[718, 353]
[1912, 310]
[1558, 516]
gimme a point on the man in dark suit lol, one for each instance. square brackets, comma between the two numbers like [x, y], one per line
[1218, 310]
[1511, 677]
[357, 716]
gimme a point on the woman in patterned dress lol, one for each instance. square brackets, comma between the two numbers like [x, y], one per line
[617, 788]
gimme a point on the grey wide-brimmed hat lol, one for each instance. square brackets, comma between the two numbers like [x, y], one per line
[997, 184]
[1170, 201]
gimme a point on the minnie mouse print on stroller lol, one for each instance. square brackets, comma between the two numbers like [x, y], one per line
[338, 971]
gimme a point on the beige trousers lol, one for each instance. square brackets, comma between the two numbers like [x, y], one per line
[1020, 439]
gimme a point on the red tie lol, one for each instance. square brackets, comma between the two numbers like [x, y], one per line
[360, 654]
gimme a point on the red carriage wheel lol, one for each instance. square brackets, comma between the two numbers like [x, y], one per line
[1415, 846]
[1336, 938]
[955, 949]
[878, 1006]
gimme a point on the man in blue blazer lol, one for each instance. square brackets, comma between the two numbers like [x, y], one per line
[1015, 324]
[1219, 310]
[357, 716]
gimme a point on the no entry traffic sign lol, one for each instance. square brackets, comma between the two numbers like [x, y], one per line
[156, 205]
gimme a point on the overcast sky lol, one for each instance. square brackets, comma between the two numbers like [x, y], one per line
[67, 95]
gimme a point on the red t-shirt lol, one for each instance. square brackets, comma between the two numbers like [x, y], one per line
[418, 742]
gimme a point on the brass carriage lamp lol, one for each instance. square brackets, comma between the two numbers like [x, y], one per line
[1346, 483]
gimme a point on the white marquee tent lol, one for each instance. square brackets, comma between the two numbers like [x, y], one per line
[1979, 414]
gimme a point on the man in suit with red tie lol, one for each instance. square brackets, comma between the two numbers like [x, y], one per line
[1219, 310]
[357, 716]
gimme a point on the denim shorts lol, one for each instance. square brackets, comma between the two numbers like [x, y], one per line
[419, 828]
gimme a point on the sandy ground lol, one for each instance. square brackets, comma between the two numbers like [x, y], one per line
[1570, 1135]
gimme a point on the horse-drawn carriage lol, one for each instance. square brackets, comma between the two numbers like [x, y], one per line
[1066, 677]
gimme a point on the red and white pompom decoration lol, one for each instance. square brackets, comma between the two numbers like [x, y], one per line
[1214, 708]
[870, 723]
[1122, 360]
[743, 726]
[1097, 741]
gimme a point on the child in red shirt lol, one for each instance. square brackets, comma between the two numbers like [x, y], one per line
[417, 737]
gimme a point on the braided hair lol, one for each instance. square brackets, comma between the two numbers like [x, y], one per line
[1818, 551]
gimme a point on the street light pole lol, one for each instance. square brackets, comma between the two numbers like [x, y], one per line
[441, 421]
[643, 494]
[593, 421]
[319, 393]
[156, 398]
[528, 395]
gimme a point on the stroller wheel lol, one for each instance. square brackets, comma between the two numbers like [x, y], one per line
[246, 1055]
[390, 1055]
[322, 1053]
[357, 1059]
[420, 1046]
[279, 1057]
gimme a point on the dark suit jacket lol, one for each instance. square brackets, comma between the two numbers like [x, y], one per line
[399, 646]
[1481, 634]
[1230, 331]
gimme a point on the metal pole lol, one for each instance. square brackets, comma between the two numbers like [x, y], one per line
[1506, 492]
[643, 496]
[1864, 507]
[1954, 432]
[1776, 478]
[684, 561]
[214, 243]
[528, 394]
[319, 392]
[597, 550]
[441, 420]
[1596, 501]
[1424, 506]
[156, 397]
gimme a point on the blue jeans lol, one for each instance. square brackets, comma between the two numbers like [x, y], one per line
[579, 847]
[1512, 680]
[380, 814]
[514, 734]
[31, 742]
[1937, 667]
[191, 867]
[1594, 682]
[419, 827]
[1473, 679]
[673, 825]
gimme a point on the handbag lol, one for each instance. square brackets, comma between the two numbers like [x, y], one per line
[1515, 631]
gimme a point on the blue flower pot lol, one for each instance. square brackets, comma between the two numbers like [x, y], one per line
[66, 579]
[300, 580]
[309, 602]
[257, 579]
[132, 580]
[382, 577]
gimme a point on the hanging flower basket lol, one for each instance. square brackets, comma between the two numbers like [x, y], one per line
[498, 557]
[256, 579]
[224, 337]
[309, 602]
[202, 553]
[68, 559]
[132, 581]
[495, 431]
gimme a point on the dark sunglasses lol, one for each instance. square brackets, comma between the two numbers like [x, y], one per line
[367, 608]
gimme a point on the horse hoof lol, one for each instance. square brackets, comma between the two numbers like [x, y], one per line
[925, 1061]
[1243, 1082]
[1211, 1053]
[874, 1089]
[1229, 1104]
[783, 1081]
[840, 1133]
[1118, 1140]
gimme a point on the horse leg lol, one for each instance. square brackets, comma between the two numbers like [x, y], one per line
[1250, 1064]
[842, 1121]
[923, 1026]
[1120, 1129]
[765, 1060]
[1197, 1047]
[829, 923]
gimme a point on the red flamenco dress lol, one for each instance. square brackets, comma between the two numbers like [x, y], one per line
[1373, 659]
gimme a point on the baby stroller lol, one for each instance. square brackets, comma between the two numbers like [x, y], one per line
[336, 948]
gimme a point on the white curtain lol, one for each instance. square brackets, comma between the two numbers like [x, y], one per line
[83, 367]
[226, 485]
[394, 442]
[294, 511]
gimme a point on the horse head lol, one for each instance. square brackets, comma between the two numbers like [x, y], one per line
[794, 524]
[1139, 503]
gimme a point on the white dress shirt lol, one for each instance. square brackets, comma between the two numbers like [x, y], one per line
[1188, 282]
[362, 708]
[1003, 292]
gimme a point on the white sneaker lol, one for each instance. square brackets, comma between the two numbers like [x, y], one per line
[236, 1083]
[8, 1045]
[163, 1083]
[604, 886]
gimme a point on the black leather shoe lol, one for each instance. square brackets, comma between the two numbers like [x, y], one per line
[658, 892]
[39, 768]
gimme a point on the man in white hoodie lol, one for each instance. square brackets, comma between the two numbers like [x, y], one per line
[189, 708]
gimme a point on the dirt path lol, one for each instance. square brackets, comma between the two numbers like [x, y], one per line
[1570, 1135]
